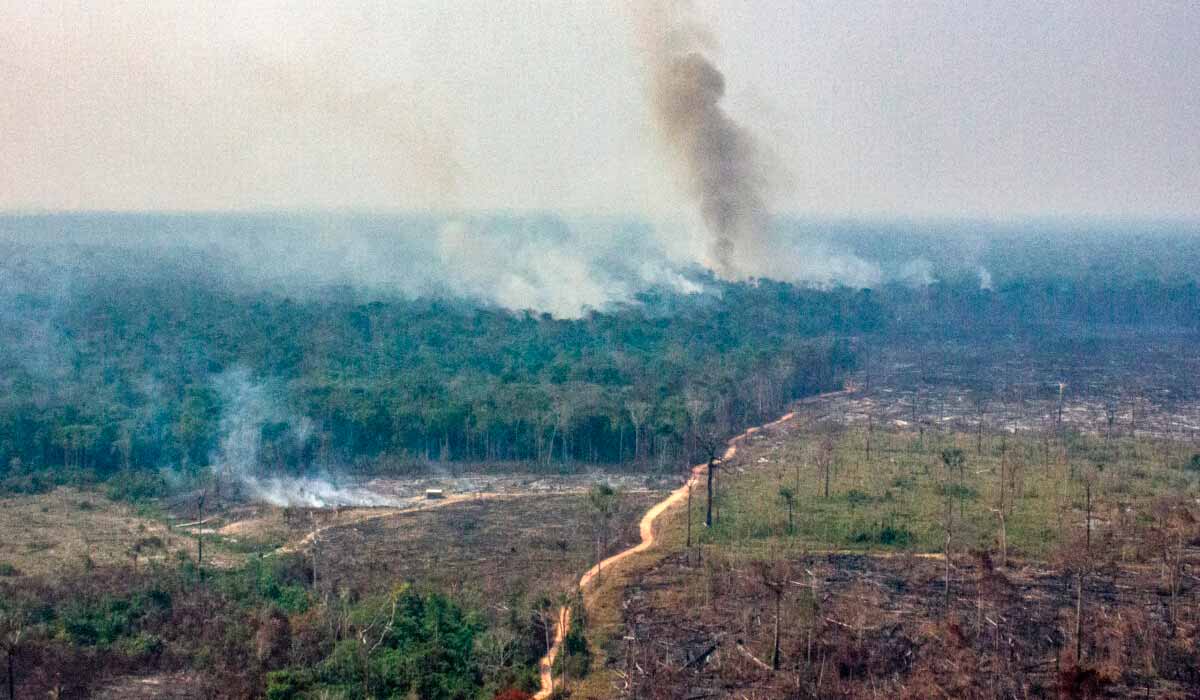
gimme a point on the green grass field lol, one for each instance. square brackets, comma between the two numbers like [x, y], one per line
[899, 496]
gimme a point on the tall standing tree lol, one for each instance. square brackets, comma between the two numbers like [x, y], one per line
[823, 455]
[603, 501]
[789, 498]
[956, 461]
[638, 412]
[13, 626]
[709, 445]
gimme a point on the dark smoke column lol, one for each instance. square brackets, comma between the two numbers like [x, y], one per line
[719, 161]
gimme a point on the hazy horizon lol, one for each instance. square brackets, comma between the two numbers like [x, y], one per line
[868, 110]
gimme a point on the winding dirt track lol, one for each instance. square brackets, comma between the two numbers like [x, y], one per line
[648, 539]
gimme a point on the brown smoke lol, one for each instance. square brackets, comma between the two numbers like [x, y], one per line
[721, 165]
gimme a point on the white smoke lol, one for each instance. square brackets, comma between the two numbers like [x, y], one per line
[542, 263]
[985, 279]
[248, 408]
[546, 266]
[917, 272]
[313, 492]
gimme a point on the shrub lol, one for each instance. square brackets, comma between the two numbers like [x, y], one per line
[886, 535]
[1193, 465]
[576, 657]
[7, 569]
[288, 684]
[105, 622]
[857, 498]
[135, 487]
[956, 491]
[140, 645]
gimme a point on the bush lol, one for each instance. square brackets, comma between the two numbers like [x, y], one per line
[956, 491]
[140, 645]
[27, 484]
[857, 498]
[106, 622]
[282, 581]
[1194, 464]
[7, 569]
[288, 684]
[135, 487]
[576, 657]
[886, 535]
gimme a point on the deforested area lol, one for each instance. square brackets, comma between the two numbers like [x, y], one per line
[995, 548]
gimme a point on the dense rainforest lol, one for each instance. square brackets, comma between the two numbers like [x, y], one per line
[138, 376]
[121, 358]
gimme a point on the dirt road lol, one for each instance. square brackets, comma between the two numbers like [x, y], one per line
[648, 539]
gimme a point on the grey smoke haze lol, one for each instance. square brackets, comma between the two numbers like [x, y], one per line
[720, 163]
[877, 108]
[729, 173]
[542, 263]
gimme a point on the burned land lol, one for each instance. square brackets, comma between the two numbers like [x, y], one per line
[958, 526]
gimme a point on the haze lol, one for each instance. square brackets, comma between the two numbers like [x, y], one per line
[937, 108]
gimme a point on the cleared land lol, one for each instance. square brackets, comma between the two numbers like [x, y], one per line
[68, 530]
[945, 560]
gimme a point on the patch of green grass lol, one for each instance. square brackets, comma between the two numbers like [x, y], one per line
[903, 496]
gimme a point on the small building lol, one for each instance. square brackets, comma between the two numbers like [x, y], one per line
[434, 494]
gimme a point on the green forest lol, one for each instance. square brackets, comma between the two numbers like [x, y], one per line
[130, 375]
[132, 378]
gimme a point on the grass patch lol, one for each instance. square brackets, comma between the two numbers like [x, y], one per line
[901, 496]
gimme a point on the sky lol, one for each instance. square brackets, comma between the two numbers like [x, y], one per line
[960, 108]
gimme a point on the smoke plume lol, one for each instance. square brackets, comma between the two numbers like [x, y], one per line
[249, 410]
[722, 166]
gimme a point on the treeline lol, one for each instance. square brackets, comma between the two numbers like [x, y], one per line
[129, 374]
[960, 307]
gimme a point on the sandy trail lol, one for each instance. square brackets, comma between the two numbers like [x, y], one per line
[647, 533]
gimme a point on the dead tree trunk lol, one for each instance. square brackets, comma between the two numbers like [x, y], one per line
[1079, 619]
[200, 537]
[689, 521]
[708, 515]
[778, 609]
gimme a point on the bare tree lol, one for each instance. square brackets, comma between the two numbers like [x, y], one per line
[638, 412]
[200, 535]
[980, 408]
[948, 527]
[870, 430]
[773, 575]
[547, 617]
[709, 446]
[689, 521]
[954, 460]
[315, 536]
[13, 627]
[789, 498]
[603, 500]
[496, 649]
[823, 454]
[371, 634]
